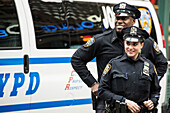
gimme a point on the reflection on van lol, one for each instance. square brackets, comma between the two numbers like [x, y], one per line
[76, 19]
[9, 31]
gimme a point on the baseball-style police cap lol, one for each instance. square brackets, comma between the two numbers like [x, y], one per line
[124, 9]
[134, 34]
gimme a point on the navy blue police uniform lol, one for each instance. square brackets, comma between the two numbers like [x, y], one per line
[125, 78]
[152, 52]
[107, 45]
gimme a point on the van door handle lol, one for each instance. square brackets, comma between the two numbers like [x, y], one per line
[26, 64]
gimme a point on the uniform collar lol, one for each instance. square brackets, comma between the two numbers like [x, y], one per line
[114, 36]
[125, 57]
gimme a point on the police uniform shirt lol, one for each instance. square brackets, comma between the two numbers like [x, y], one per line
[106, 46]
[135, 80]
[102, 46]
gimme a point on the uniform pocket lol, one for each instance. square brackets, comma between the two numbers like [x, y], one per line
[145, 83]
[145, 77]
[119, 83]
[123, 76]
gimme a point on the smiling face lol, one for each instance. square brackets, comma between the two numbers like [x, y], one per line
[133, 49]
[123, 21]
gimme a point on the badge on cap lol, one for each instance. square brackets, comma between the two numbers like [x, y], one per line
[146, 68]
[133, 31]
[106, 70]
[89, 42]
[155, 46]
[122, 6]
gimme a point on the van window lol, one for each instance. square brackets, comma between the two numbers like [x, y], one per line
[10, 37]
[84, 21]
[50, 24]
[61, 25]
[64, 25]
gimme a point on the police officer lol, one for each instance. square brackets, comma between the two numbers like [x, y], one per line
[110, 45]
[131, 78]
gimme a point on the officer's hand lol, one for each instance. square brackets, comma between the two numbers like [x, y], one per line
[132, 106]
[94, 89]
[149, 104]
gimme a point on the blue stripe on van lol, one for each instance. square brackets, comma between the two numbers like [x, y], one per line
[11, 61]
[41, 105]
[48, 60]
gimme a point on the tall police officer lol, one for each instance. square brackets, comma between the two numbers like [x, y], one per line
[110, 45]
[131, 78]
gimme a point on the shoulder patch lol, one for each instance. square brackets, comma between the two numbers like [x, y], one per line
[89, 42]
[106, 70]
[155, 46]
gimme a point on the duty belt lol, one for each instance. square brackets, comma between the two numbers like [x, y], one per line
[121, 107]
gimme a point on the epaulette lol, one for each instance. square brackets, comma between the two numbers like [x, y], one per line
[151, 39]
[144, 59]
[118, 57]
[102, 34]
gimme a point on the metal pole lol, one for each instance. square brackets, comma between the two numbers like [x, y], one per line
[163, 13]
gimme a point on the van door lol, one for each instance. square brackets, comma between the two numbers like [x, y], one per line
[14, 48]
[56, 86]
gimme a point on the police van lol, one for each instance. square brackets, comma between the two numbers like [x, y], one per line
[37, 40]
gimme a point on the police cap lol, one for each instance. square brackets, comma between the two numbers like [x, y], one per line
[134, 34]
[124, 9]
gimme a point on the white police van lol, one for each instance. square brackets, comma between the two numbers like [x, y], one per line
[37, 40]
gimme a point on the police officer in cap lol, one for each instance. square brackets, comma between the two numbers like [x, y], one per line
[131, 78]
[110, 45]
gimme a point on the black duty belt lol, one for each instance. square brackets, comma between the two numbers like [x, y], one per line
[121, 107]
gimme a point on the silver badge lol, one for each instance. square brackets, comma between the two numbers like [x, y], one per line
[146, 68]
[133, 31]
[122, 6]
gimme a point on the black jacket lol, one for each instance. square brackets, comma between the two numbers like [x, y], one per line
[106, 46]
[135, 80]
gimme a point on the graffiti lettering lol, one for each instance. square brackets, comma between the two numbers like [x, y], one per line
[109, 17]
